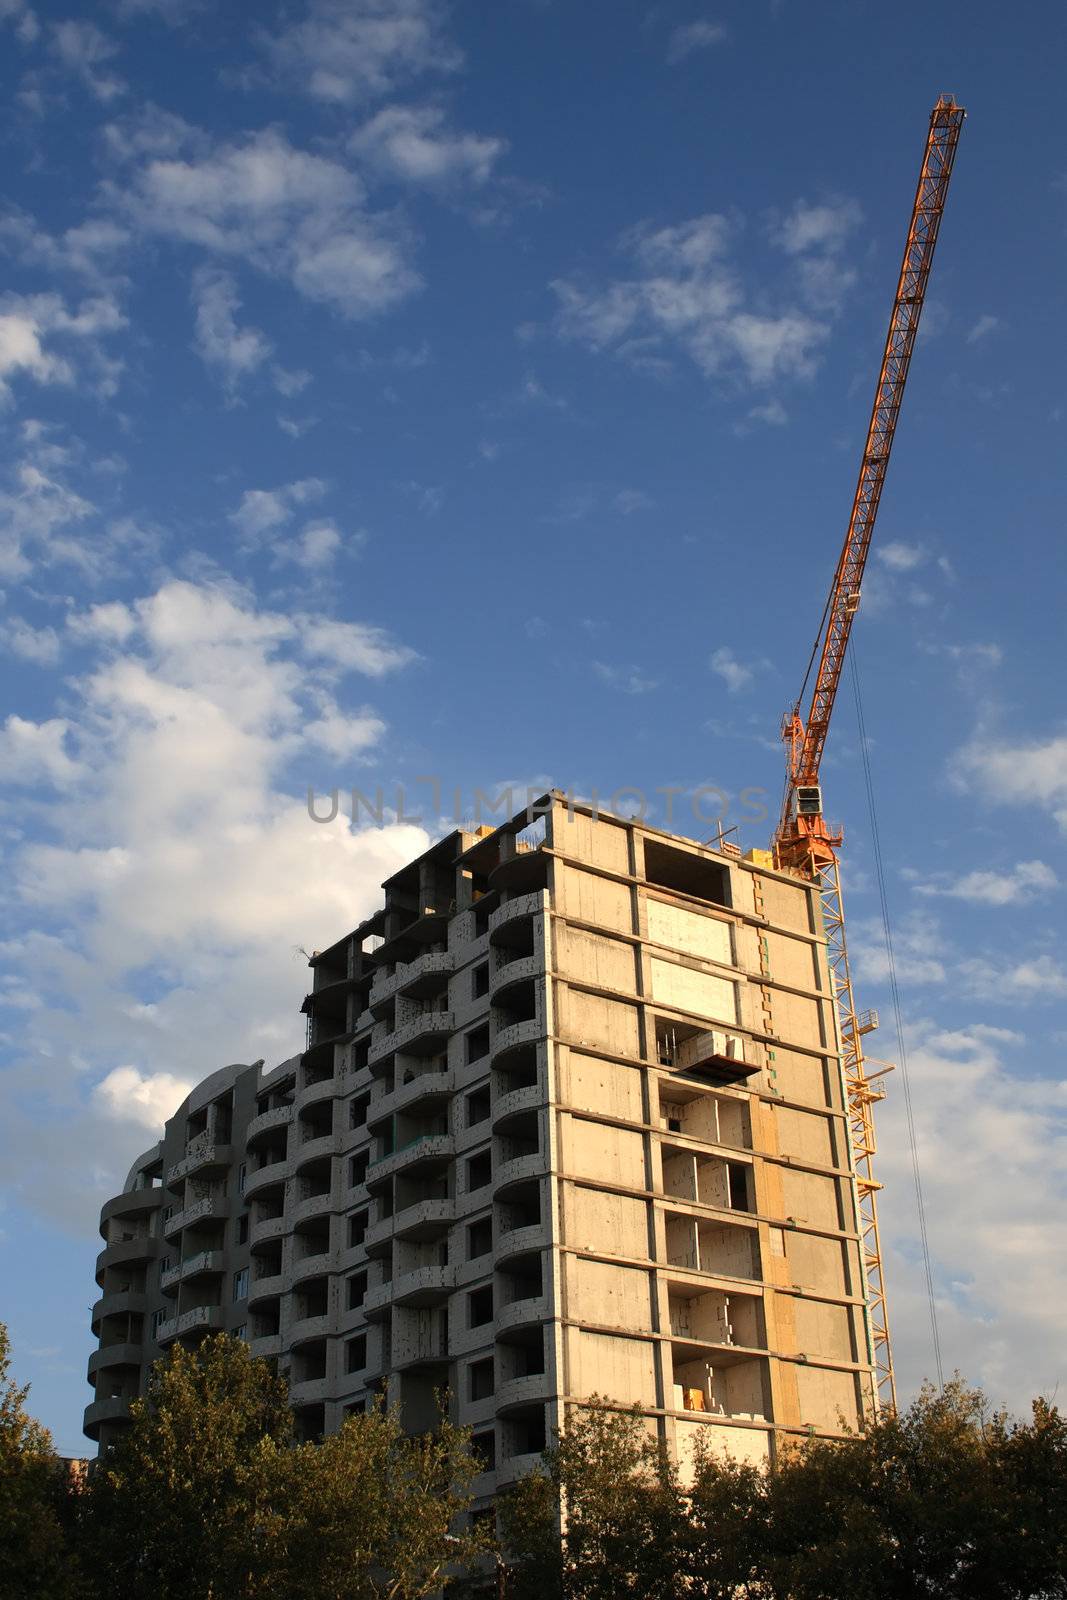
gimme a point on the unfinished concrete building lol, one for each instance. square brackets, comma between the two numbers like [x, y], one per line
[570, 1121]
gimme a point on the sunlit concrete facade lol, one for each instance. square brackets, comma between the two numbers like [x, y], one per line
[570, 1121]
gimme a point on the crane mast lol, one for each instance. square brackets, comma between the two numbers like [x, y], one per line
[803, 839]
[804, 843]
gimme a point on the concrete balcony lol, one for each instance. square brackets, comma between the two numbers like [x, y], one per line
[268, 1288]
[516, 1393]
[202, 1319]
[425, 1219]
[523, 905]
[523, 970]
[426, 973]
[425, 1086]
[125, 1252]
[520, 1241]
[515, 1467]
[520, 1169]
[427, 1148]
[267, 1177]
[114, 1408]
[312, 1093]
[268, 1228]
[316, 1205]
[531, 1031]
[425, 1286]
[114, 1355]
[203, 1264]
[313, 1392]
[516, 1100]
[134, 1203]
[208, 1210]
[419, 1036]
[268, 1122]
[307, 1329]
[124, 1302]
[318, 1149]
[523, 1313]
[200, 1156]
[266, 1348]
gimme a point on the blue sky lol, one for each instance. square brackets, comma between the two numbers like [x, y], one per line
[390, 389]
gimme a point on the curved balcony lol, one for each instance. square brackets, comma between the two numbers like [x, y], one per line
[308, 1330]
[425, 1286]
[201, 1319]
[312, 1392]
[268, 1122]
[379, 1235]
[515, 1035]
[520, 1241]
[515, 1393]
[312, 1093]
[201, 1156]
[427, 1149]
[424, 1220]
[268, 1288]
[115, 1408]
[124, 1252]
[424, 975]
[523, 1313]
[425, 1086]
[124, 1302]
[523, 905]
[208, 1210]
[273, 1174]
[421, 1036]
[315, 1266]
[205, 1263]
[268, 1228]
[308, 1150]
[523, 970]
[516, 1101]
[519, 1170]
[513, 1468]
[525, 871]
[115, 1355]
[316, 1205]
[134, 1203]
[267, 1347]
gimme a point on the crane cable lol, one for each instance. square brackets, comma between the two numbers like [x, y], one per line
[894, 989]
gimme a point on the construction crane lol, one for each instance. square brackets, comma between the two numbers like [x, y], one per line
[805, 843]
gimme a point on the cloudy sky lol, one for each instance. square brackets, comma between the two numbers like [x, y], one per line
[395, 391]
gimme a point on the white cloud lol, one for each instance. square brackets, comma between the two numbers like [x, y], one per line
[262, 510]
[85, 51]
[901, 557]
[352, 646]
[31, 328]
[1009, 982]
[773, 414]
[1018, 885]
[350, 50]
[22, 19]
[36, 752]
[290, 383]
[128, 1095]
[40, 646]
[110, 622]
[1020, 773]
[693, 36]
[826, 227]
[174, 877]
[984, 1109]
[920, 951]
[414, 143]
[318, 544]
[985, 325]
[688, 293]
[232, 352]
[628, 680]
[735, 674]
[629, 501]
[286, 211]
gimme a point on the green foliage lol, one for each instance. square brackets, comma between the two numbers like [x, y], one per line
[943, 1500]
[34, 1559]
[621, 1513]
[207, 1498]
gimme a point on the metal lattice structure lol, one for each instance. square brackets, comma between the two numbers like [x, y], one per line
[862, 1094]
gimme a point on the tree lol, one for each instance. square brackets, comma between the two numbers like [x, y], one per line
[171, 1509]
[367, 1513]
[612, 1490]
[35, 1561]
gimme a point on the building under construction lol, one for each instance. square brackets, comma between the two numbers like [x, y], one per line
[572, 1120]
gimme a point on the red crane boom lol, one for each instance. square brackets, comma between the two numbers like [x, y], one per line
[803, 839]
